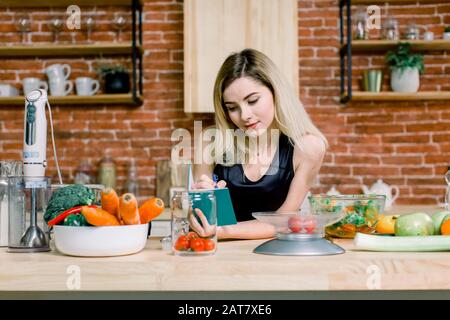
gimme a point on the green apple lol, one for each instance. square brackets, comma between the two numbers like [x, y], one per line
[415, 224]
[438, 218]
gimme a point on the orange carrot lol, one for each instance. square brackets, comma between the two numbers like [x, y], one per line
[99, 217]
[150, 209]
[128, 209]
[110, 201]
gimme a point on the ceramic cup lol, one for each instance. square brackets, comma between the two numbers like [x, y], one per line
[30, 84]
[7, 90]
[86, 86]
[428, 36]
[60, 87]
[372, 80]
[58, 71]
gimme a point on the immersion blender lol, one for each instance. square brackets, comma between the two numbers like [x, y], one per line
[34, 160]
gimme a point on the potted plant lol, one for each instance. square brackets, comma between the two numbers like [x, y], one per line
[446, 35]
[116, 78]
[405, 68]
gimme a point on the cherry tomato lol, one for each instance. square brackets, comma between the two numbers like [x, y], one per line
[192, 235]
[182, 243]
[295, 224]
[197, 244]
[309, 224]
[209, 244]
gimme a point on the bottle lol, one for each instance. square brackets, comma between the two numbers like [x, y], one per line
[132, 185]
[107, 172]
[447, 192]
[83, 174]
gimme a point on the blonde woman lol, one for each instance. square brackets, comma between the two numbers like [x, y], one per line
[252, 101]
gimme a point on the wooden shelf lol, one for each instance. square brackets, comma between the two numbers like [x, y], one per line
[78, 100]
[400, 96]
[393, 2]
[385, 45]
[63, 3]
[67, 49]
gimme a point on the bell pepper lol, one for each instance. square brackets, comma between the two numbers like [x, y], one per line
[59, 218]
[76, 220]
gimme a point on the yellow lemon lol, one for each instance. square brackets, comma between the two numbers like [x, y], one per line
[386, 224]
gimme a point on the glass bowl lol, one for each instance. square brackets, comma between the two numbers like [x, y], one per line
[299, 224]
[361, 212]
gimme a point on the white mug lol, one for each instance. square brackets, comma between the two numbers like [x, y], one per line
[60, 87]
[7, 90]
[428, 35]
[58, 71]
[30, 84]
[86, 86]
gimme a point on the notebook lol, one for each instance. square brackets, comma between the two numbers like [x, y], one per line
[225, 211]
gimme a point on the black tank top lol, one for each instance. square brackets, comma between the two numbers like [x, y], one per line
[266, 194]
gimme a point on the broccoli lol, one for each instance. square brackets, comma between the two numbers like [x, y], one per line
[66, 198]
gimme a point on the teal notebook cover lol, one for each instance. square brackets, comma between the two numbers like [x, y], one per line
[225, 211]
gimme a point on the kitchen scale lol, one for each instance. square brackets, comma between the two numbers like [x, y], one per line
[299, 234]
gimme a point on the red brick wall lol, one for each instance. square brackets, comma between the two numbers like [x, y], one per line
[405, 143]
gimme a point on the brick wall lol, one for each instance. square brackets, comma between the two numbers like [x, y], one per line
[407, 144]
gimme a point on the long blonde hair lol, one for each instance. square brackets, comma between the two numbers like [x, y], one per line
[291, 117]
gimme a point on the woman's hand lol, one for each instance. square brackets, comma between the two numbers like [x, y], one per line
[206, 182]
[204, 229]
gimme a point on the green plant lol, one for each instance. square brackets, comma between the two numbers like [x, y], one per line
[111, 69]
[403, 59]
[447, 29]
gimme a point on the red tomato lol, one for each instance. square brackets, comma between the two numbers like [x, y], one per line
[309, 224]
[182, 243]
[295, 224]
[197, 244]
[192, 235]
[209, 244]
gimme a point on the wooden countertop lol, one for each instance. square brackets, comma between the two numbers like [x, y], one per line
[234, 268]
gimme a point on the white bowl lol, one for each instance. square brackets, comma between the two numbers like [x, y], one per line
[100, 241]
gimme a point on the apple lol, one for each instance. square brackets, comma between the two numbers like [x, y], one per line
[438, 218]
[415, 224]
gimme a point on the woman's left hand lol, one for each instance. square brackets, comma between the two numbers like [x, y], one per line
[204, 229]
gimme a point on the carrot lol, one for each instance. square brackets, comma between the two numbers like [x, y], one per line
[110, 201]
[128, 209]
[99, 217]
[150, 209]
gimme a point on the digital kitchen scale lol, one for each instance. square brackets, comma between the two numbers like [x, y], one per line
[299, 234]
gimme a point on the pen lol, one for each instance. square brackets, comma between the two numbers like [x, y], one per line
[215, 179]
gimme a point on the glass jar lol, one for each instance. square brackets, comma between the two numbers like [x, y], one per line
[412, 32]
[28, 199]
[7, 169]
[83, 174]
[390, 29]
[184, 208]
[360, 31]
[107, 173]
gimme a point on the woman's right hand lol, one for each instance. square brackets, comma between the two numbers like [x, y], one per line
[206, 182]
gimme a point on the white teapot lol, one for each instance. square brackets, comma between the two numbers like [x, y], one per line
[382, 188]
